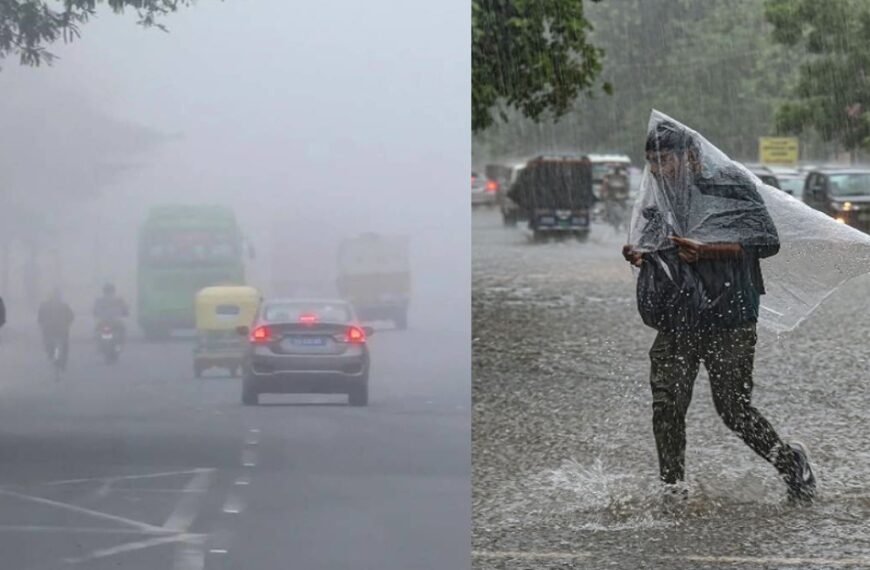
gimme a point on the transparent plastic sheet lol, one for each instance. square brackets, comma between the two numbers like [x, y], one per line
[712, 199]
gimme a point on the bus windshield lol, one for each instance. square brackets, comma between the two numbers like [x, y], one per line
[190, 247]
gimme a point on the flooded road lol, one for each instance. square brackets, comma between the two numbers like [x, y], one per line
[564, 464]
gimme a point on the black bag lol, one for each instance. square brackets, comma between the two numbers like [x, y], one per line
[670, 296]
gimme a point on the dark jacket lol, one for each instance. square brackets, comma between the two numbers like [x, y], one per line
[110, 309]
[55, 317]
[674, 296]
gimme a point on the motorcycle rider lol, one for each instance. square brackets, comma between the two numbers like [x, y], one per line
[55, 319]
[110, 310]
[615, 194]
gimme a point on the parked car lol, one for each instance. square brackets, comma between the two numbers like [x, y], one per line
[842, 193]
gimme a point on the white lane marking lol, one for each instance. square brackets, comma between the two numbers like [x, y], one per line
[749, 560]
[82, 530]
[122, 477]
[241, 481]
[777, 313]
[249, 458]
[233, 505]
[80, 510]
[254, 430]
[190, 555]
[132, 546]
[252, 440]
[218, 551]
[188, 506]
[161, 491]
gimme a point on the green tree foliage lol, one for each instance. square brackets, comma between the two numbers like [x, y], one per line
[28, 26]
[833, 92]
[529, 55]
[712, 65]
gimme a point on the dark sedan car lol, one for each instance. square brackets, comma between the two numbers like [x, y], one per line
[306, 347]
[842, 193]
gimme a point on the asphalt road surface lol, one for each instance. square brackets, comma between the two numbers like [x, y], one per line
[141, 466]
[563, 454]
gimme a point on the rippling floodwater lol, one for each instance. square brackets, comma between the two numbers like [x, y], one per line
[564, 458]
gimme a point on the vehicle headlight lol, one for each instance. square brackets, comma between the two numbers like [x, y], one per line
[840, 220]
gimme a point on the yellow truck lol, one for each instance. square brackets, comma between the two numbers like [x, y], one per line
[374, 274]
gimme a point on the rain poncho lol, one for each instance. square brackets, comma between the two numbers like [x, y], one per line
[693, 190]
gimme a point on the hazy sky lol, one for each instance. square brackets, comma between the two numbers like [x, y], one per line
[346, 114]
[338, 100]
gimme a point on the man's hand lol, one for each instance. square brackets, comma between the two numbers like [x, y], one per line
[692, 250]
[633, 257]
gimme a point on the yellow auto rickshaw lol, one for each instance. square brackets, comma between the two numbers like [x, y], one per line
[219, 311]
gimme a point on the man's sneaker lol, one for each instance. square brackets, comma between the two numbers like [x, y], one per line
[799, 477]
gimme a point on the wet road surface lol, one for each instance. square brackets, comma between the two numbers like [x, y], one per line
[141, 466]
[563, 454]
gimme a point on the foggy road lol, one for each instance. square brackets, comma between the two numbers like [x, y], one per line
[140, 465]
[564, 460]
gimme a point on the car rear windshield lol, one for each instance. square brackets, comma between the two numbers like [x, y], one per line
[293, 311]
[853, 184]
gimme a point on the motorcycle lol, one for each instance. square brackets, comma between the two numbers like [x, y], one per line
[109, 340]
[616, 214]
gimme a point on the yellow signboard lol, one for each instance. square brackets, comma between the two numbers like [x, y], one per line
[778, 150]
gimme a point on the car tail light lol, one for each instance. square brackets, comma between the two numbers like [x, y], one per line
[261, 335]
[491, 186]
[309, 319]
[353, 335]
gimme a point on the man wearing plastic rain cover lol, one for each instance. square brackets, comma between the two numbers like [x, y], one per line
[698, 248]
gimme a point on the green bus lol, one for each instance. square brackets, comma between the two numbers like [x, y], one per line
[183, 249]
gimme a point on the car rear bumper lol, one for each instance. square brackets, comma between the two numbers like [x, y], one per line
[325, 383]
[306, 374]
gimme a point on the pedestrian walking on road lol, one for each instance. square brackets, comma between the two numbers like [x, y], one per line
[702, 230]
[55, 319]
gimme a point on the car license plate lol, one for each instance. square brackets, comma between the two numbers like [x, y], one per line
[107, 336]
[306, 341]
